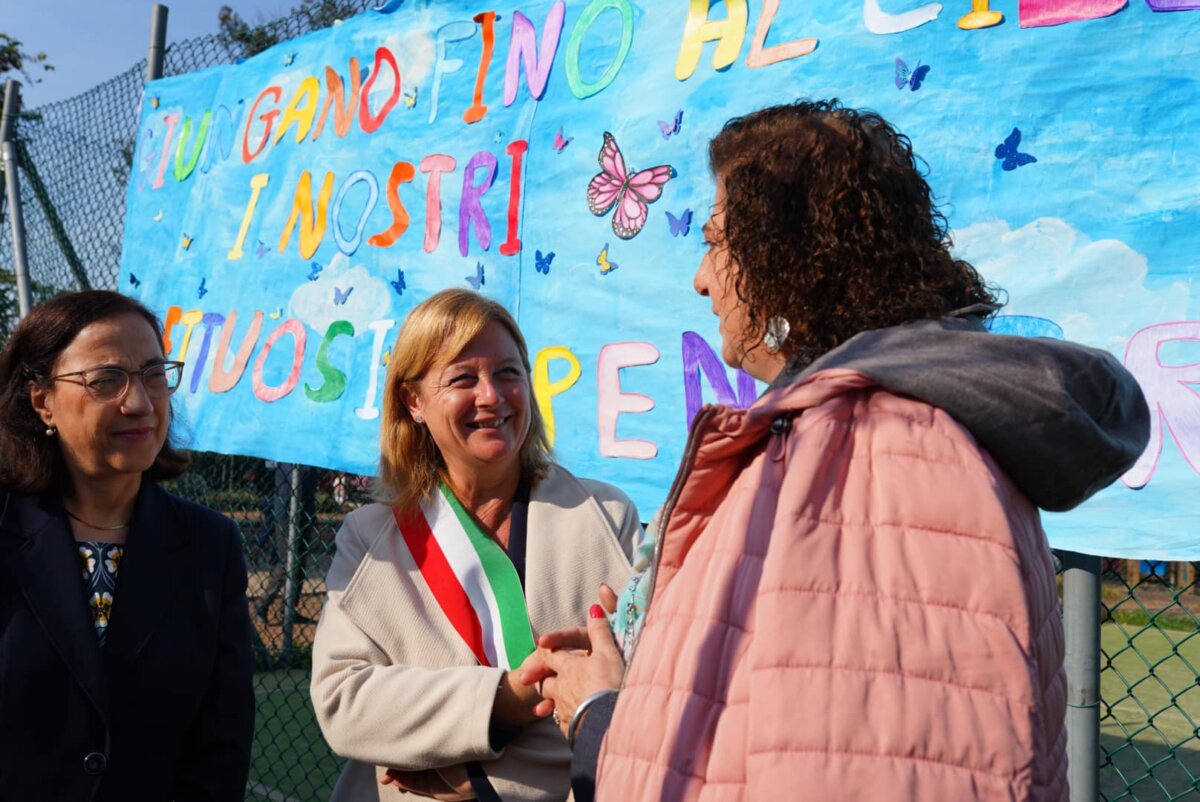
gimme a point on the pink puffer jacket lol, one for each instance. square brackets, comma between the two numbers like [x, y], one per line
[860, 606]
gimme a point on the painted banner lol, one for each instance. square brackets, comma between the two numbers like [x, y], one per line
[286, 212]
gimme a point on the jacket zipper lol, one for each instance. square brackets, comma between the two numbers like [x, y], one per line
[689, 453]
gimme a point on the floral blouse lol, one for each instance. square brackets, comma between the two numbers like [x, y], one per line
[100, 563]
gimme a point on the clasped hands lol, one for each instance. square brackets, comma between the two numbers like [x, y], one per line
[571, 664]
[567, 666]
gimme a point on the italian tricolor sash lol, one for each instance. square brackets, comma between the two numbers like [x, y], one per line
[471, 577]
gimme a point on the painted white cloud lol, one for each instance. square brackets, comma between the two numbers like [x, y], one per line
[414, 52]
[1095, 290]
[314, 303]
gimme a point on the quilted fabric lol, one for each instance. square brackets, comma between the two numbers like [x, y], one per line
[860, 607]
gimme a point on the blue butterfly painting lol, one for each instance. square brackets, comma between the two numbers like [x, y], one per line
[476, 281]
[398, 283]
[134, 280]
[671, 127]
[203, 289]
[340, 297]
[317, 267]
[542, 263]
[681, 225]
[1008, 153]
[910, 78]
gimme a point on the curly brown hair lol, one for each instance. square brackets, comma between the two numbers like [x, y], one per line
[833, 226]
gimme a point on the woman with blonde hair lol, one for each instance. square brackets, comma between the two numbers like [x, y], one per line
[435, 595]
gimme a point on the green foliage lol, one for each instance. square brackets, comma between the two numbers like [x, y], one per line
[14, 58]
[244, 40]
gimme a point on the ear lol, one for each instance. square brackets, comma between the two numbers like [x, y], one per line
[42, 401]
[411, 400]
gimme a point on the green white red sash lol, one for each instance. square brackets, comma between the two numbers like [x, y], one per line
[471, 577]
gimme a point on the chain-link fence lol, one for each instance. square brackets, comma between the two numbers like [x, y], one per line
[288, 516]
[1149, 681]
[76, 157]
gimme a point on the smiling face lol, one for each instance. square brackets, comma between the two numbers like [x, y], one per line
[101, 440]
[716, 279]
[477, 406]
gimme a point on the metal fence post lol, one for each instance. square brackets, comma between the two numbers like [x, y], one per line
[291, 590]
[1081, 623]
[158, 41]
[12, 186]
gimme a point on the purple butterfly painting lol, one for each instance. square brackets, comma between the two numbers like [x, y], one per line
[629, 192]
[910, 78]
[681, 225]
[671, 127]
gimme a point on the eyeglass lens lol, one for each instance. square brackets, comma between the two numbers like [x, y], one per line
[106, 383]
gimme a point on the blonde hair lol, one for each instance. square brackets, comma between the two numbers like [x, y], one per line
[435, 332]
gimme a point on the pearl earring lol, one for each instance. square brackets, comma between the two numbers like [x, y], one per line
[51, 431]
[418, 419]
[777, 332]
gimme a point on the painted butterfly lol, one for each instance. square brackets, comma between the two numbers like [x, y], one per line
[1008, 153]
[606, 266]
[186, 242]
[317, 267]
[134, 280]
[670, 128]
[476, 281]
[339, 297]
[542, 263]
[912, 79]
[630, 192]
[203, 289]
[561, 141]
[410, 98]
[398, 283]
[260, 250]
[681, 225]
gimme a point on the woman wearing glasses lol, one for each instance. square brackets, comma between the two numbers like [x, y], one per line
[125, 657]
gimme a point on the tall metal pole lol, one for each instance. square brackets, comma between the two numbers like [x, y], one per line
[12, 186]
[1081, 622]
[291, 590]
[158, 42]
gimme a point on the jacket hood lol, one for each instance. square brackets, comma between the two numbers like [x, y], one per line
[1061, 419]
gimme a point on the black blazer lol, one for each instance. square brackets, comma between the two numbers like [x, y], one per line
[166, 710]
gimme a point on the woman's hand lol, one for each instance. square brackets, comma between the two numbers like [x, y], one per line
[571, 665]
[448, 784]
[516, 701]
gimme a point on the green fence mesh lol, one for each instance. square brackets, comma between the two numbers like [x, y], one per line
[1149, 681]
[76, 157]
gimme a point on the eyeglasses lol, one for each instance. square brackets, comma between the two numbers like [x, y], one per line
[107, 383]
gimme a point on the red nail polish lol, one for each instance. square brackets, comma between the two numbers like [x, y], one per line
[595, 611]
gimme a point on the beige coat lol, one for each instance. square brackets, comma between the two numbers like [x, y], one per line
[394, 685]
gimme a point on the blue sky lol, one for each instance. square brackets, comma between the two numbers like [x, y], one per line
[89, 41]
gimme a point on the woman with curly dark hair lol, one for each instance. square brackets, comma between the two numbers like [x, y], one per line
[851, 595]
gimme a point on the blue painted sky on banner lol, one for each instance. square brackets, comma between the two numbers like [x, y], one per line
[1097, 237]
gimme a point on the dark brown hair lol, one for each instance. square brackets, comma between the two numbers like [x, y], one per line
[31, 462]
[833, 226]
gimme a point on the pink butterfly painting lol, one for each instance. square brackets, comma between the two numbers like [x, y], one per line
[630, 192]
[561, 141]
